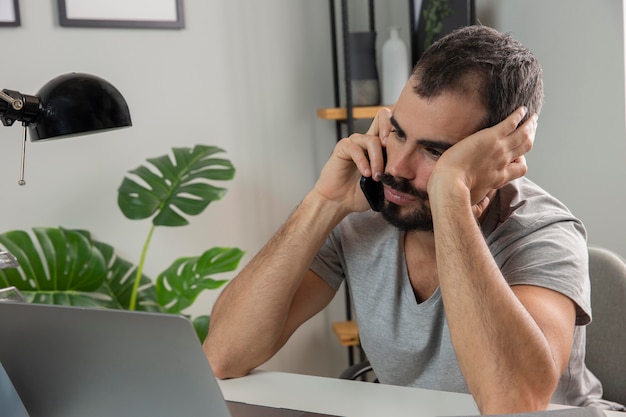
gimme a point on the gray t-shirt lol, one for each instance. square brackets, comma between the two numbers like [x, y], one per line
[534, 240]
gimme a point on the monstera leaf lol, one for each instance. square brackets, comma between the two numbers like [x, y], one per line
[170, 189]
[179, 285]
[66, 267]
[174, 188]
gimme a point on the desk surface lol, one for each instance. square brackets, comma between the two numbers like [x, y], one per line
[344, 397]
[348, 398]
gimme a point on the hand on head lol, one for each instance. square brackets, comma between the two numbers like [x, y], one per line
[486, 160]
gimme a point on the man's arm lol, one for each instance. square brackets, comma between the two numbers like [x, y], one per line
[260, 308]
[512, 343]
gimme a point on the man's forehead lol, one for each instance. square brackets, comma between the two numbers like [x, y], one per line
[447, 117]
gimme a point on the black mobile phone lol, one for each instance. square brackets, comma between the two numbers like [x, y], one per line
[374, 193]
[373, 190]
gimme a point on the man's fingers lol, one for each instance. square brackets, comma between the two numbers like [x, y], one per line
[351, 149]
[380, 125]
[377, 160]
[523, 138]
[366, 152]
[511, 123]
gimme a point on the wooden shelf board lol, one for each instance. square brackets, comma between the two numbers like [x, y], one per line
[347, 333]
[340, 113]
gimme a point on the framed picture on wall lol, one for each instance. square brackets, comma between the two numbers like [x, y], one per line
[432, 19]
[9, 13]
[159, 14]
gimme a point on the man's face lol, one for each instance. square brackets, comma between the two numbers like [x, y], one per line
[423, 129]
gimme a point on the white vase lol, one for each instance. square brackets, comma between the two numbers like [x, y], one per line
[395, 67]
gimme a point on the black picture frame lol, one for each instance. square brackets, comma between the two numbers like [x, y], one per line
[463, 13]
[10, 13]
[173, 20]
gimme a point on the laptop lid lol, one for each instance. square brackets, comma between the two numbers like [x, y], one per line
[10, 403]
[77, 362]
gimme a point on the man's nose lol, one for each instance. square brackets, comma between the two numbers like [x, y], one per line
[402, 164]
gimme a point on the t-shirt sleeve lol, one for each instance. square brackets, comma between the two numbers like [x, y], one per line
[554, 256]
[327, 262]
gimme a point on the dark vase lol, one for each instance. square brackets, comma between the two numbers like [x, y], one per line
[363, 72]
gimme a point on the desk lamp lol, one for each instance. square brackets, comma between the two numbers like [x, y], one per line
[7, 260]
[69, 105]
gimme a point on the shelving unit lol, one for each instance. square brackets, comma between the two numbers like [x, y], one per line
[346, 331]
[345, 114]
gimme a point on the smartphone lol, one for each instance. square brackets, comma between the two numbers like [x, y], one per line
[373, 190]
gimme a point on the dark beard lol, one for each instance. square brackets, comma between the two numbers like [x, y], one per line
[420, 219]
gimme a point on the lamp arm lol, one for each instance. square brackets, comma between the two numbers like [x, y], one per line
[23, 107]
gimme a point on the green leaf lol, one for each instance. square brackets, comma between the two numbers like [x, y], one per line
[433, 12]
[174, 188]
[179, 285]
[63, 266]
[201, 325]
[67, 267]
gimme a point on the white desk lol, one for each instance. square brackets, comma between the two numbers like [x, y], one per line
[348, 398]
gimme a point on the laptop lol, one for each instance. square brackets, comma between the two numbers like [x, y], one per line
[76, 362]
[11, 404]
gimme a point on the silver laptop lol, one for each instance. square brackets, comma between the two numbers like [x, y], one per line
[70, 362]
[11, 404]
[83, 362]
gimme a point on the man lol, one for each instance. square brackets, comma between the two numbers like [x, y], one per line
[471, 278]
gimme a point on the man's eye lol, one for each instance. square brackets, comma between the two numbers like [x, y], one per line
[434, 153]
[396, 135]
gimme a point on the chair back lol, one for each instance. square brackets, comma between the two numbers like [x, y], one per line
[606, 335]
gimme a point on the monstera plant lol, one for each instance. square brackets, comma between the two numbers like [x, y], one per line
[70, 267]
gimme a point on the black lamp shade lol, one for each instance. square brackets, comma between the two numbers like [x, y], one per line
[75, 103]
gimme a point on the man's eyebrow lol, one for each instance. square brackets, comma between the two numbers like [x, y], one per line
[426, 143]
[396, 126]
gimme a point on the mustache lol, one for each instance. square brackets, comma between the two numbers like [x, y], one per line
[403, 185]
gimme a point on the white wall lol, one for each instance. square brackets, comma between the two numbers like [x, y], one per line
[244, 75]
[248, 76]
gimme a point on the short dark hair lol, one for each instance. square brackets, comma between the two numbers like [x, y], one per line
[479, 59]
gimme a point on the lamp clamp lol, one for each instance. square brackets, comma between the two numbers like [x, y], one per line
[22, 107]
[16, 103]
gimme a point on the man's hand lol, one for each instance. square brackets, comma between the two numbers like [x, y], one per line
[486, 160]
[357, 155]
